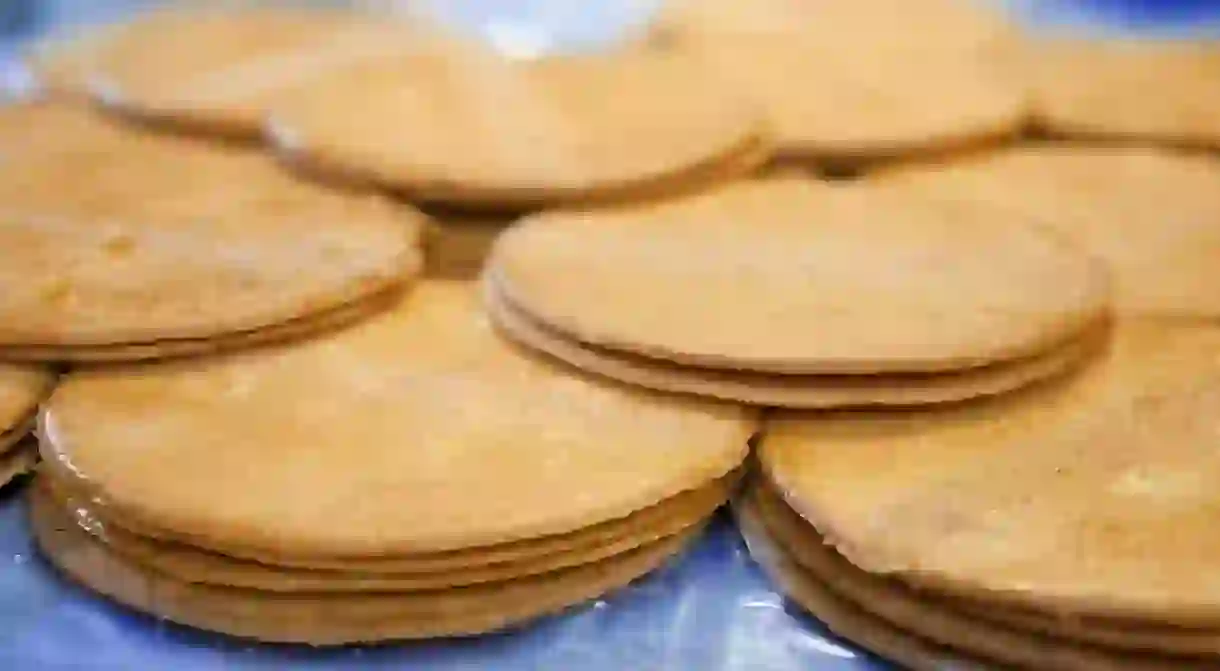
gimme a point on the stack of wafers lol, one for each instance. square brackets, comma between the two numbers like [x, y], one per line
[793, 293]
[1064, 527]
[412, 476]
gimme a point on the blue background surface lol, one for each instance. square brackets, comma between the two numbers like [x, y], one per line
[710, 610]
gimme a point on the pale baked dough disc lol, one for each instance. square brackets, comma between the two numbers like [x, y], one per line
[840, 616]
[1150, 637]
[868, 72]
[792, 276]
[135, 253]
[476, 129]
[333, 619]
[1092, 496]
[1128, 90]
[213, 71]
[795, 391]
[932, 618]
[610, 532]
[416, 431]
[189, 564]
[1149, 214]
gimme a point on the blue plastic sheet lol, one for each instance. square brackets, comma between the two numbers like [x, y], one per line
[709, 610]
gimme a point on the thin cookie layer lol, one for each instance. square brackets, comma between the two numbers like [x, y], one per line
[841, 616]
[333, 619]
[193, 565]
[794, 391]
[313, 325]
[925, 615]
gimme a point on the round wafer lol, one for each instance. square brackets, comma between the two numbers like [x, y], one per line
[1115, 458]
[795, 391]
[796, 277]
[478, 130]
[449, 420]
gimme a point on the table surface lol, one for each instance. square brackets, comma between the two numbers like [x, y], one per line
[711, 609]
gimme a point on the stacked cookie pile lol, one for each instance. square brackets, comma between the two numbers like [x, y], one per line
[1058, 527]
[1064, 527]
[794, 293]
[301, 441]
[412, 476]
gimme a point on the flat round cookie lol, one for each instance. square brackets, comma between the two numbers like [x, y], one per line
[333, 619]
[929, 617]
[868, 71]
[136, 255]
[1149, 214]
[792, 276]
[448, 418]
[167, 348]
[1117, 634]
[794, 391]
[585, 546]
[842, 617]
[1102, 508]
[610, 532]
[212, 71]
[1128, 90]
[477, 130]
